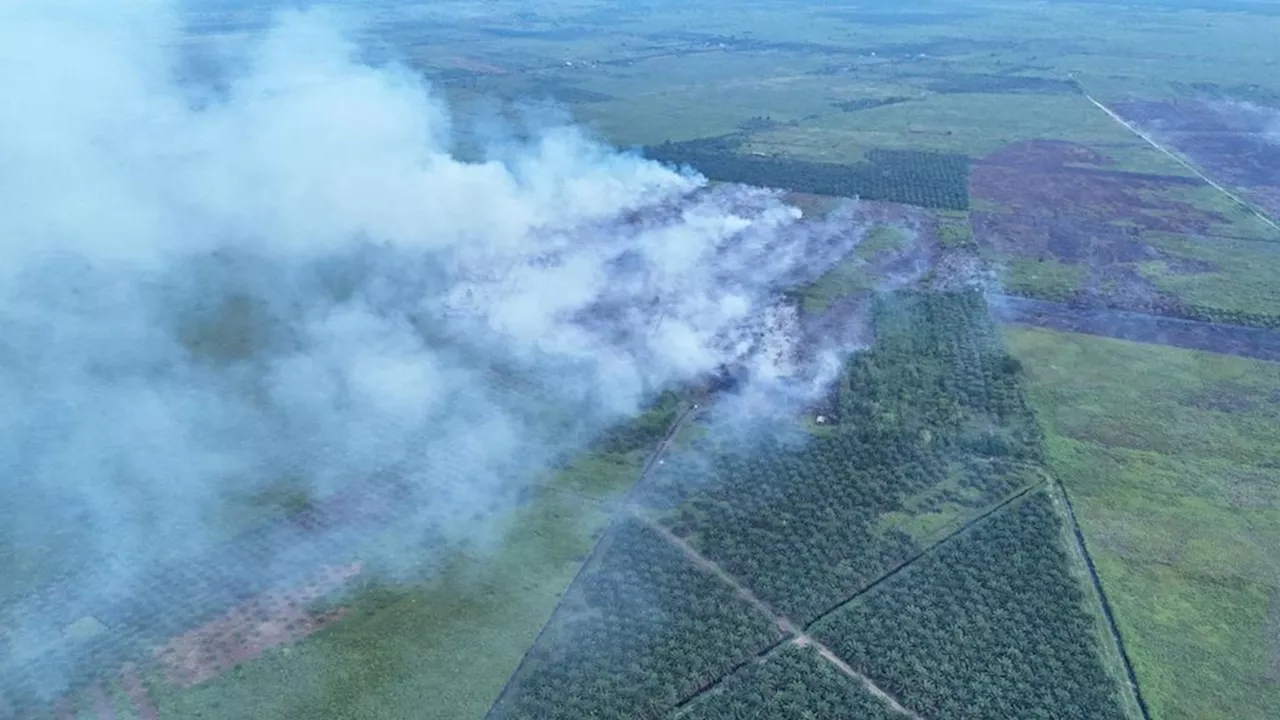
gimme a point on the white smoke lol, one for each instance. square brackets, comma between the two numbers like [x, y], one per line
[205, 293]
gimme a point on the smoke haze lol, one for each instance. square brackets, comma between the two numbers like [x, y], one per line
[292, 282]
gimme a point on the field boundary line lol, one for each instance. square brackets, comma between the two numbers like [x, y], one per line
[1175, 156]
[1083, 549]
[797, 635]
[605, 536]
[926, 551]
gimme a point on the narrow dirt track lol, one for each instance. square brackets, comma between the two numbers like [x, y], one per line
[1177, 158]
[799, 638]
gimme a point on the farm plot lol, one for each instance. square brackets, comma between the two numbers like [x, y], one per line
[924, 430]
[989, 625]
[1170, 459]
[793, 683]
[641, 630]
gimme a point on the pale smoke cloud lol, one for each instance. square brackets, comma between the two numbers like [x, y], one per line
[203, 295]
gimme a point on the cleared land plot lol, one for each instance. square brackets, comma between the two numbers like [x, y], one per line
[1170, 458]
[436, 638]
[1063, 225]
[435, 648]
[992, 624]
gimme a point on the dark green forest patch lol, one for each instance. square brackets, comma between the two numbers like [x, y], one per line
[927, 179]
[990, 625]
[980, 83]
[802, 524]
[794, 683]
[641, 630]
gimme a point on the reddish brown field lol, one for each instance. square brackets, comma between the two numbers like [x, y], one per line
[250, 629]
[137, 692]
[243, 633]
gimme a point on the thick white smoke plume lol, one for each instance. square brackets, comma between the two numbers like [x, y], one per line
[290, 281]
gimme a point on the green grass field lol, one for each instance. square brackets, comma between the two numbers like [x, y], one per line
[1235, 275]
[1170, 457]
[679, 72]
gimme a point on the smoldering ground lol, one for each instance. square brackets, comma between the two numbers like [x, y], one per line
[290, 284]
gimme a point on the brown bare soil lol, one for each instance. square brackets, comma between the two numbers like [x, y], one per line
[250, 629]
[103, 708]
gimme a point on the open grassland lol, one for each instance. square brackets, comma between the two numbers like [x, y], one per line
[1170, 457]
[439, 648]
[944, 76]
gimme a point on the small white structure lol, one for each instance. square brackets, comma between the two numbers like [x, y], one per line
[821, 419]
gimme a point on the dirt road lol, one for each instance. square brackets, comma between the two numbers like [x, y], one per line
[1178, 159]
[800, 638]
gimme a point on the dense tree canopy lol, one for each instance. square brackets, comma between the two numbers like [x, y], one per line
[641, 630]
[792, 684]
[990, 625]
[931, 414]
[915, 177]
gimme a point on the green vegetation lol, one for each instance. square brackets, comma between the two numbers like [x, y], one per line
[805, 526]
[643, 629]
[1218, 279]
[1169, 456]
[441, 642]
[928, 179]
[849, 277]
[954, 231]
[853, 274]
[989, 625]
[794, 683]
[438, 644]
[1046, 278]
